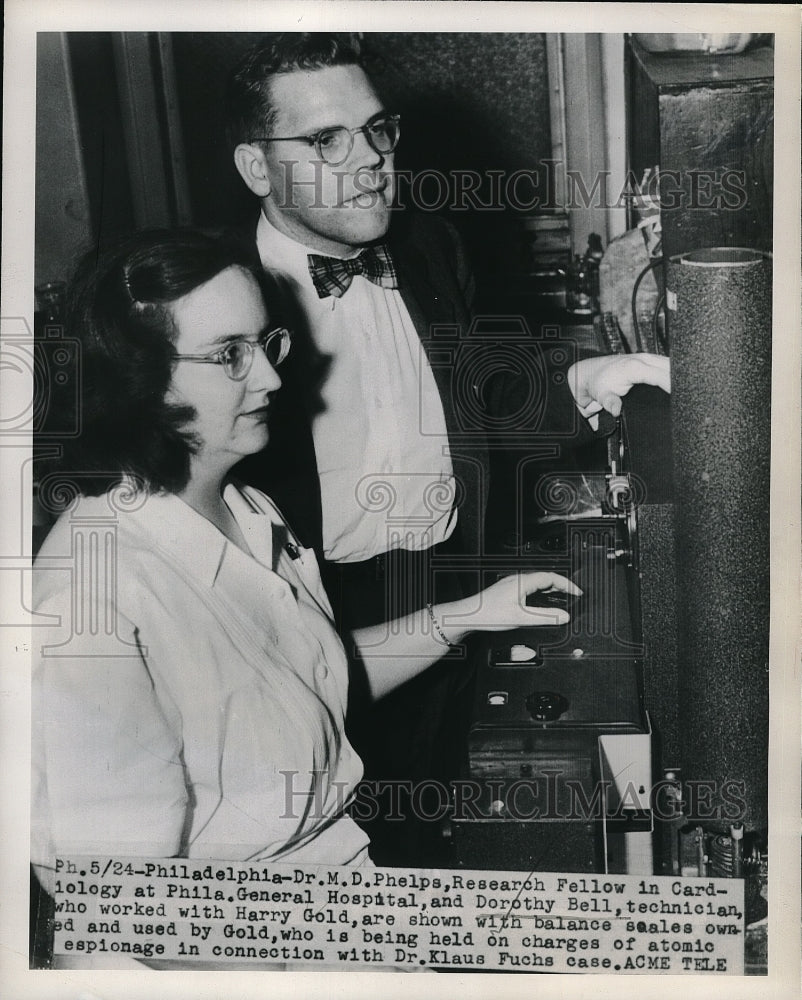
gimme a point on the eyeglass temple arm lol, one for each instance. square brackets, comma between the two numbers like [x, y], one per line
[310, 140]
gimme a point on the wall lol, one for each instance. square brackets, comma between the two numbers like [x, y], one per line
[62, 205]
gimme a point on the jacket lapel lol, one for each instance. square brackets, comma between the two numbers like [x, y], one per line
[439, 312]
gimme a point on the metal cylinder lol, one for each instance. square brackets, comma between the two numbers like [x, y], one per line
[719, 303]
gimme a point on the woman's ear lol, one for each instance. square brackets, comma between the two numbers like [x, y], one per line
[250, 162]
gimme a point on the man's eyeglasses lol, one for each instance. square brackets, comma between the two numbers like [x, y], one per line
[333, 145]
[237, 357]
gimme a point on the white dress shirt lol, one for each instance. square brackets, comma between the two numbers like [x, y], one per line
[381, 444]
[188, 698]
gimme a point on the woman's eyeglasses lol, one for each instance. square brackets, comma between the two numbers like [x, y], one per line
[333, 145]
[237, 357]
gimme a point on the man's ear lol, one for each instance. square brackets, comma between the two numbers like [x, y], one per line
[250, 162]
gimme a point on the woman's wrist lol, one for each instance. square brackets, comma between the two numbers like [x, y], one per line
[441, 624]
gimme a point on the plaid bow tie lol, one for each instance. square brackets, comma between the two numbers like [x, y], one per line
[333, 276]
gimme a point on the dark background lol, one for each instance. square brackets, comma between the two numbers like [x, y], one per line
[468, 102]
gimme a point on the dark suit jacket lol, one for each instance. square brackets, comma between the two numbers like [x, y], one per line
[436, 285]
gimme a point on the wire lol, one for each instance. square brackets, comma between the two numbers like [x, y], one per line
[658, 336]
[636, 326]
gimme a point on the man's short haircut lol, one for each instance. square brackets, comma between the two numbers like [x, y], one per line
[249, 110]
[119, 311]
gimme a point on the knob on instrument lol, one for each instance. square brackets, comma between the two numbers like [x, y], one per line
[546, 706]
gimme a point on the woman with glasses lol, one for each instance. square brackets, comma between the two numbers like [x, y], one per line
[190, 689]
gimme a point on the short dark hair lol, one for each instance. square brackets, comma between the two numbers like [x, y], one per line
[118, 310]
[249, 110]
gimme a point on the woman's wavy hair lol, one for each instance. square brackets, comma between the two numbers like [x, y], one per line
[118, 309]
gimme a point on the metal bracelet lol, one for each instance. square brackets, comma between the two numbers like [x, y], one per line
[437, 628]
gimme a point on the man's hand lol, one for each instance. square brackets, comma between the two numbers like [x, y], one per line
[601, 383]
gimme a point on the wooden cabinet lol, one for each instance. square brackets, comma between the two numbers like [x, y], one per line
[706, 121]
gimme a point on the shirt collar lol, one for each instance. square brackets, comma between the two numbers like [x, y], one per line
[279, 252]
[184, 535]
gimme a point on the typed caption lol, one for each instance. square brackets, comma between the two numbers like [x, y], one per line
[468, 920]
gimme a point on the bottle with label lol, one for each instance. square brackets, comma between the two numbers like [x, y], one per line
[579, 287]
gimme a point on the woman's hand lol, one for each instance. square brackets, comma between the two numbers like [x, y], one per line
[503, 605]
[392, 656]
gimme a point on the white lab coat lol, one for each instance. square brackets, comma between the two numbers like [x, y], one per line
[188, 700]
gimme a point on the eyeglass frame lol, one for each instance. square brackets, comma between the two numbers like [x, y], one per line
[314, 139]
[216, 358]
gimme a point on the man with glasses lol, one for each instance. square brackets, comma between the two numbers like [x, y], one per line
[368, 454]
[357, 477]
[315, 144]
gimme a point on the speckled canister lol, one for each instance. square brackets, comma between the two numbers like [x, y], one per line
[720, 327]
